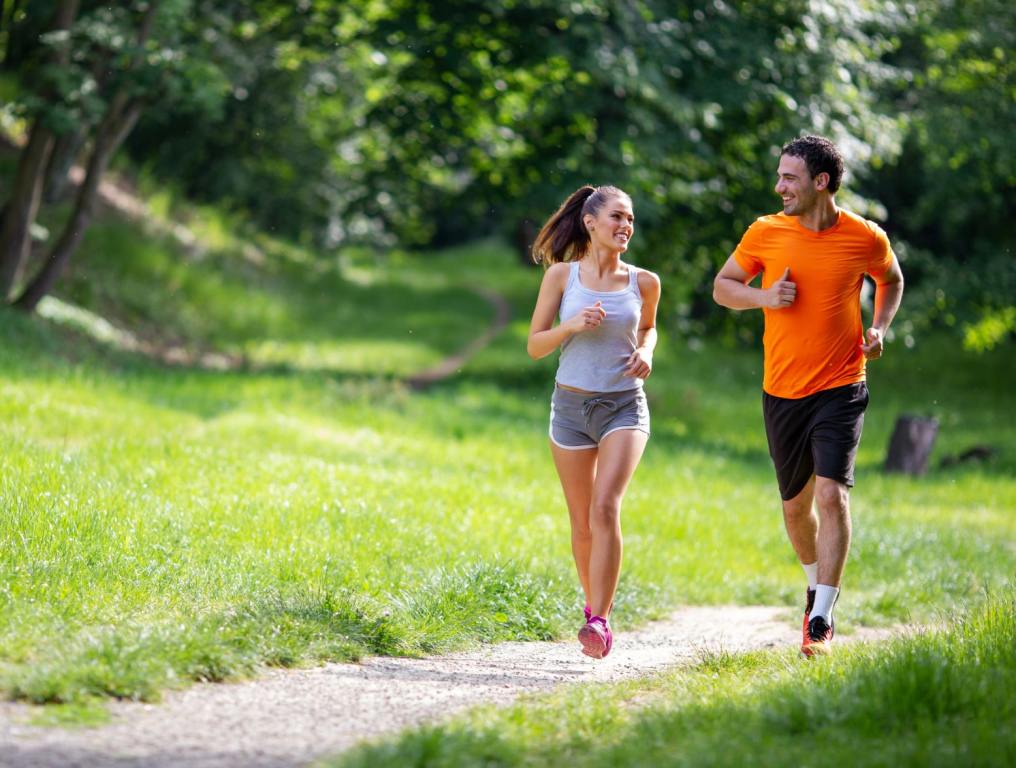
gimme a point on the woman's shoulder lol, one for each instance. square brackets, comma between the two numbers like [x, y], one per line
[648, 281]
[560, 268]
[557, 274]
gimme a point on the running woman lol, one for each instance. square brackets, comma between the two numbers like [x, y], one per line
[813, 257]
[599, 418]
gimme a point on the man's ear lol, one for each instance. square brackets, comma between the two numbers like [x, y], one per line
[821, 180]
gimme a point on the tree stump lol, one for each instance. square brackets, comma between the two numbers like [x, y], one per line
[525, 234]
[910, 445]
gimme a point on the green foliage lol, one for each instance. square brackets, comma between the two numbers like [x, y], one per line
[951, 192]
[423, 123]
[433, 122]
[991, 330]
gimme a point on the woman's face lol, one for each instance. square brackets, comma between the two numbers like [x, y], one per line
[613, 225]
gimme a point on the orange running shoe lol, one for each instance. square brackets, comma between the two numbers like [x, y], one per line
[819, 637]
[808, 605]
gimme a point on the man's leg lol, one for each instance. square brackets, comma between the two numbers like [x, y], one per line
[803, 524]
[833, 499]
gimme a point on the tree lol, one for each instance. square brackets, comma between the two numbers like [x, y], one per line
[22, 205]
[122, 59]
[951, 193]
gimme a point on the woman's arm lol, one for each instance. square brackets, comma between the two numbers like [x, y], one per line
[544, 337]
[640, 364]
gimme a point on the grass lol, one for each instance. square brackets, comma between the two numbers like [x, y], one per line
[940, 698]
[160, 525]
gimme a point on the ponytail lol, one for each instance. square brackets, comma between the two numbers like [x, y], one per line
[564, 237]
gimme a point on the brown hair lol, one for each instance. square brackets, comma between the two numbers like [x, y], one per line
[564, 237]
[820, 156]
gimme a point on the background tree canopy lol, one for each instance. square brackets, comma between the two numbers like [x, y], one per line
[428, 123]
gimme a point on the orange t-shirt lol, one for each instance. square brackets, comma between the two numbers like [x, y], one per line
[815, 343]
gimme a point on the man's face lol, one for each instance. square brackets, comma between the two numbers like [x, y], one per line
[795, 186]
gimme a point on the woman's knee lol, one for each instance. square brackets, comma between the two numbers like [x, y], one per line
[581, 533]
[605, 513]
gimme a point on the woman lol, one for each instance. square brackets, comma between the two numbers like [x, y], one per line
[599, 419]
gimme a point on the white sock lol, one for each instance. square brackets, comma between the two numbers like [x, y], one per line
[811, 571]
[825, 597]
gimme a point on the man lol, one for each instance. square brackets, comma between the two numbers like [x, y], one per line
[813, 257]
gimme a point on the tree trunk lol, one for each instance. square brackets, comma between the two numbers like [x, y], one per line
[525, 235]
[112, 131]
[23, 205]
[65, 152]
[119, 120]
[13, 53]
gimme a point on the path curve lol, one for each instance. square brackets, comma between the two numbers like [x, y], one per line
[290, 717]
[450, 365]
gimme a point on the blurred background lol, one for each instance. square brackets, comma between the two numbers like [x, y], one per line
[428, 124]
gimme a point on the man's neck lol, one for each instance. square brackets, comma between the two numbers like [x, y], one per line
[824, 215]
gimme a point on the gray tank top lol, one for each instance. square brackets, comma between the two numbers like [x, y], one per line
[595, 360]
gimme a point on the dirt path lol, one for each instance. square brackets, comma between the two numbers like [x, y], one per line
[450, 365]
[290, 717]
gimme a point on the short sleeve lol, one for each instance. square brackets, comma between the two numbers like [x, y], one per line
[881, 259]
[748, 253]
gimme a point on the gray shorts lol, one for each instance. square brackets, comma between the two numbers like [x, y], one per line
[581, 420]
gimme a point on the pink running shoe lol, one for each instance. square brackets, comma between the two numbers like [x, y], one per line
[588, 612]
[596, 638]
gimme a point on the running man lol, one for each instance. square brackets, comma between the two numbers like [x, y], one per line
[813, 258]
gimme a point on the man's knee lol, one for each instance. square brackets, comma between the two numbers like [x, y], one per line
[831, 496]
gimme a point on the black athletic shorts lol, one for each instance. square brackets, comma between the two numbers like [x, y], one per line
[817, 434]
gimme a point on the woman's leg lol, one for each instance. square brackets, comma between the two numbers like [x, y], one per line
[577, 470]
[619, 455]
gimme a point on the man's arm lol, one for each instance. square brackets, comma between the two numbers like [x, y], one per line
[731, 289]
[888, 294]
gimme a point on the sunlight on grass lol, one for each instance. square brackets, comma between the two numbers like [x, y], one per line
[937, 698]
[165, 525]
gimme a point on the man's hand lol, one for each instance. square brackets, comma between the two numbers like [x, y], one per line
[782, 293]
[873, 349]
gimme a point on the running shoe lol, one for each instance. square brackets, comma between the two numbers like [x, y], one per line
[819, 637]
[808, 605]
[596, 638]
[588, 612]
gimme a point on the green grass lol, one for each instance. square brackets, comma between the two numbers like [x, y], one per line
[938, 698]
[274, 305]
[160, 525]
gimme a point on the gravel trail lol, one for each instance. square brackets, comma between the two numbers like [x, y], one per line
[291, 717]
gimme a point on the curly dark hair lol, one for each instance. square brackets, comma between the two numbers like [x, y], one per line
[820, 155]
